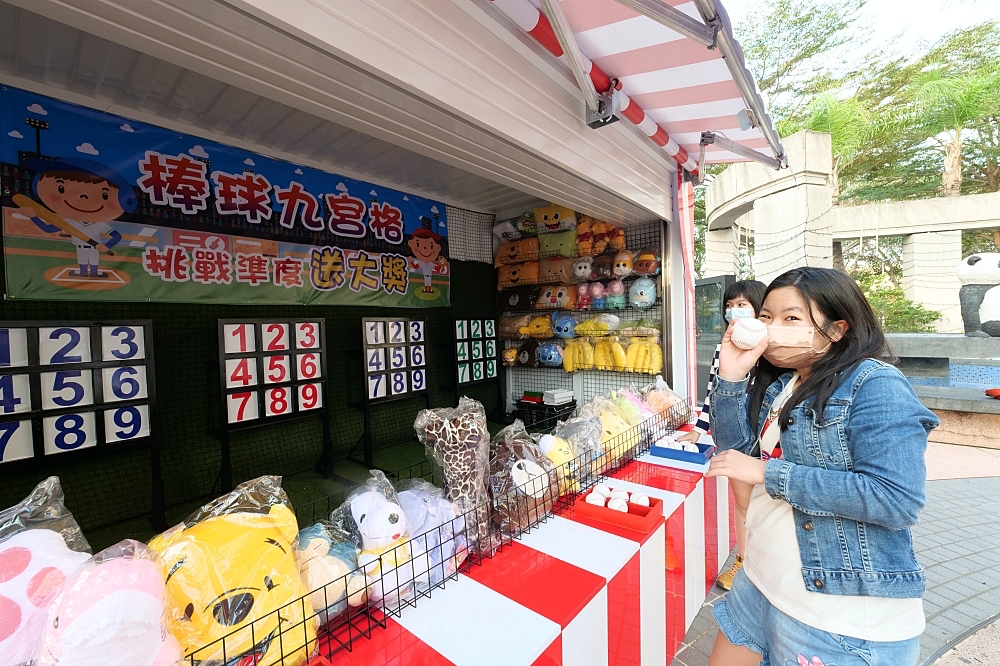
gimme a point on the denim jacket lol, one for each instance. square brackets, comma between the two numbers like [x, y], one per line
[855, 477]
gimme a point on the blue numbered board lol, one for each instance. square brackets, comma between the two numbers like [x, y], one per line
[73, 386]
[395, 358]
[476, 351]
[271, 369]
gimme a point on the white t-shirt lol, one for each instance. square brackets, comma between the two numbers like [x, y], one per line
[774, 565]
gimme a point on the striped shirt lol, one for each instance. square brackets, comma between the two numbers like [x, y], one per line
[703, 425]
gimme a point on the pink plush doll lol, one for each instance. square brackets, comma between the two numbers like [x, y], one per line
[109, 613]
[597, 296]
[583, 296]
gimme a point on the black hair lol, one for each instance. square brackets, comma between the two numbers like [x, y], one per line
[837, 298]
[752, 290]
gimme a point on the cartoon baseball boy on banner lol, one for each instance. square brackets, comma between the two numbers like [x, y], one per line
[78, 198]
[425, 245]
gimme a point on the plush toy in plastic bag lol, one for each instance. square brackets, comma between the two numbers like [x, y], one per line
[458, 443]
[578, 355]
[509, 357]
[583, 296]
[328, 563]
[616, 296]
[510, 326]
[601, 270]
[617, 434]
[582, 268]
[523, 481]
[437, 530]
[537, 327]
[557, 296]
[579, 438]
[232, 572]
[667, 404]
[518, 298]
[516, 252]
[514, 275]
[373, 516]
[623, 264]
[110, 611]
[527, 354]
[40, 545]
[647, 261]
[550, 355]
[554, 218]
[563, 326]
[562, 244]
[563, 458]
[642, 293]
[598, 296]
[555, 270]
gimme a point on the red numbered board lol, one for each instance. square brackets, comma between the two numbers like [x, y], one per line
[271, 368]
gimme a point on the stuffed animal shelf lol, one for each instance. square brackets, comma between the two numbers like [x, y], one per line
[600, 325]
[328, 569]
[232, 567]
[458, 442]
[111, 612]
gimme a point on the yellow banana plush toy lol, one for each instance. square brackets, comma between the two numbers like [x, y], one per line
[644, 355]
[609, 355]
[578, 355]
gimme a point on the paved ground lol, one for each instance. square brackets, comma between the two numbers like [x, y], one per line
[958, 543]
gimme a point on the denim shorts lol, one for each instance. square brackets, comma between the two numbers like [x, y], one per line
[748, 619]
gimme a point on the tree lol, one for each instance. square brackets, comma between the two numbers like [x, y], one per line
[945, 106]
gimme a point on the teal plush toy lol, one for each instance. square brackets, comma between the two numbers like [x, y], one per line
[642, 293]
[616, 296]
[562, 244]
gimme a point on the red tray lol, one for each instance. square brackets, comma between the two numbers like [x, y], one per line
[638, 519]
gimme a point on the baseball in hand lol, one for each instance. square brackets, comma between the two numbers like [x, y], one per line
[747, 333]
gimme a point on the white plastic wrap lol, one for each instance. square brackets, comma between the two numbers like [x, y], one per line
[41, 544]
[457, 442]
[234, 592]
[437, 530]
[523, 480]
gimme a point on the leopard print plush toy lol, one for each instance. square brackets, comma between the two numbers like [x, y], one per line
[458, 441]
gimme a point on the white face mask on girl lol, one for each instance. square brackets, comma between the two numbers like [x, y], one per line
[739, 313]
[792, 346]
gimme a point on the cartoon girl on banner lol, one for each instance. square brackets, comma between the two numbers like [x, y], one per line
[78, 198]
[425, 245]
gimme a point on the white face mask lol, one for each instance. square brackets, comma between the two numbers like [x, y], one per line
[739, 313]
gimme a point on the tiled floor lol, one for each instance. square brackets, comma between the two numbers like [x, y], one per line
[958, 543]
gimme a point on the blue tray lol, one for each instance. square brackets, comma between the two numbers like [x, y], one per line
[705, 453]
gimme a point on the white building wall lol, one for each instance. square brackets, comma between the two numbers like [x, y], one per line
[929, 278]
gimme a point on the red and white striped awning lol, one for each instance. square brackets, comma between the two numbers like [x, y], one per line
[672, 87]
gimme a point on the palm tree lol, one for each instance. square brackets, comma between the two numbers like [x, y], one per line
[849, 125]
[945, 106]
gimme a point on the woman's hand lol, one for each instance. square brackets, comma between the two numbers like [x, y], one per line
[735, 362]
[739, 466]
[692, 436]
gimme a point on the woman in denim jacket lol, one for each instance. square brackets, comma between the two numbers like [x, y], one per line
[830, 574]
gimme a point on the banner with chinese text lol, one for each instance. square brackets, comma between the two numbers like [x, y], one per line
[99, 207]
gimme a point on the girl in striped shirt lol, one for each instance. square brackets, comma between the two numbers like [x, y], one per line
[743, 299]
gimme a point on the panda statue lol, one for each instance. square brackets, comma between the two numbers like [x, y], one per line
[979, 274]
[989, 312]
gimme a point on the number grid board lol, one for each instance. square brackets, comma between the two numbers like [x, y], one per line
[477, 352]
[395, 358]
[272, 370]
[74, 386]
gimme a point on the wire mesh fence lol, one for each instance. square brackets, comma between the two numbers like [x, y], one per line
[362, 600]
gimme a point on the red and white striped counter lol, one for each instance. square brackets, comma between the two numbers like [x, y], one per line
[575, 591]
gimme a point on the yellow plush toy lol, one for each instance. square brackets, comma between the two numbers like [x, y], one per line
[644, 355]
[539, 327]
[609, 355]
[554, 218]
[578, 355]
[559, 451]
[232, 572]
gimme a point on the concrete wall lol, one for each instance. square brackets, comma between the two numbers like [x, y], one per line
[929, 278]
